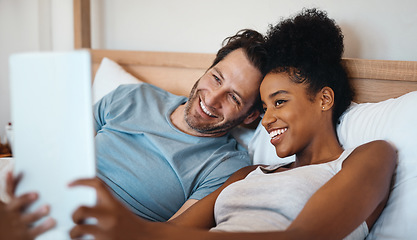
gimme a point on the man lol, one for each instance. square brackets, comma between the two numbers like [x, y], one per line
[160, 153]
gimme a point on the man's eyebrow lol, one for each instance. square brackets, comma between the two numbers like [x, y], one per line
[218, 72]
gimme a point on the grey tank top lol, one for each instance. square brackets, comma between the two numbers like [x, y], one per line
[271, 201]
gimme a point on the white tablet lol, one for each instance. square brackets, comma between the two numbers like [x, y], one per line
[52, 121]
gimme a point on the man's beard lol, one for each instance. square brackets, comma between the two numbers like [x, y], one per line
[208, 128]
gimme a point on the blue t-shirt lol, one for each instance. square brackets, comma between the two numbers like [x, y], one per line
[150, 165]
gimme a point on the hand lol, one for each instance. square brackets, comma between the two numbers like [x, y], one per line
[14, 223]
[113, 219]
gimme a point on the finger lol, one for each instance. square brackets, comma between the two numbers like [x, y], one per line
[43, 227]
[90, 182]
[80, 230]
[22, 202]
[102, 191]
[36, 215]
[12, 182]
[83, 213]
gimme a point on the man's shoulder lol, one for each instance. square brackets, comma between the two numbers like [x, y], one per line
[143, 90]
[134, 87]
[232, 151]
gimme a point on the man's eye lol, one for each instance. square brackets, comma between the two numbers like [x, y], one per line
[234, 98]
[217, 79]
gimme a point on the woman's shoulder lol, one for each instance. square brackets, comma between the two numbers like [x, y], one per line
[242, 173]
[376, 147]
[373, 154]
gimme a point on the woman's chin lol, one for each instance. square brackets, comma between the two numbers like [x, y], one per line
[282, 154]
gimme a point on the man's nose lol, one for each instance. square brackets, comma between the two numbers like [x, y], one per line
[214, 98]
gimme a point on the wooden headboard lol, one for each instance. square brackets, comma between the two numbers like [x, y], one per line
[373, 80]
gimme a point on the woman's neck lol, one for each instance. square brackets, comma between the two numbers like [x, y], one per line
[324, 148]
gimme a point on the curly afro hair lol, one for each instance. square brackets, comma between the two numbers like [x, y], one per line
[309, 48]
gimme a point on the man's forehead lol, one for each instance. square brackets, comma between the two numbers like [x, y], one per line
[237, 55]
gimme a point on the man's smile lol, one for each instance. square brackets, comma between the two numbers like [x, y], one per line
[205, 110]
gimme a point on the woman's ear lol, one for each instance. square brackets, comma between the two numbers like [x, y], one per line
[326, 98]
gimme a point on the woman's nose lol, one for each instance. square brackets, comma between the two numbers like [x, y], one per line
[267, 118]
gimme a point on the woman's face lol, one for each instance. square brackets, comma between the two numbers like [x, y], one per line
[292, 117]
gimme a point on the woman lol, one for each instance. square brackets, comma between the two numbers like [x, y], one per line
[327, 193]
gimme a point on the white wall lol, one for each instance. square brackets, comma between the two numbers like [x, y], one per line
[374, 29]
[31, 25]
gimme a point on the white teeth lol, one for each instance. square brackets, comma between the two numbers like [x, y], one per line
[277, 132]
[205, 110]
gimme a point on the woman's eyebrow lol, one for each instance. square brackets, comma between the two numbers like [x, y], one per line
[278, 93]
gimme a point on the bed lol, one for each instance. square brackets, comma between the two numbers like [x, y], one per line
[386, 99]
[384, 108]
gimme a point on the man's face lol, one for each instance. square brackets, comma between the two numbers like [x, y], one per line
[222, 98]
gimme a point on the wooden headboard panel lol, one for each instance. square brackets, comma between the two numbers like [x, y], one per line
[373, 80]
[174, 72]
[377, 80]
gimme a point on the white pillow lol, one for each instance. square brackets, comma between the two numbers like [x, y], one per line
[108, 77]
[394, 120]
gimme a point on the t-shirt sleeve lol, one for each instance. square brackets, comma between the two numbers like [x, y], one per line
[99, 113]
[220, 174]
[101, 109]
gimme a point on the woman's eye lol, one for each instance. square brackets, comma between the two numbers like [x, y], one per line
[279, 102]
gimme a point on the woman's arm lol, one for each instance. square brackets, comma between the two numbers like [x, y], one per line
[201, 214]
[14, 222]
[115, 220]
[352, 196]
[334, 211]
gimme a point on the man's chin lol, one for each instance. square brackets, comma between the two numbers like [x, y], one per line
[205, 128]
[217, 130]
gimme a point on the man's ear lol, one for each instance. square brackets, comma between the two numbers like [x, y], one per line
[252, 117]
